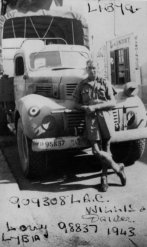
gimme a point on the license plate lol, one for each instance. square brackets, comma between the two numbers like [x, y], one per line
[58, 143]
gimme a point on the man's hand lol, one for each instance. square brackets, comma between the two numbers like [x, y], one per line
[90, 109]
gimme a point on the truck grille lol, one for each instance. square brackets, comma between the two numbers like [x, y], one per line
[75, 122]
[70, 88]
[116, 118]
[44, 90]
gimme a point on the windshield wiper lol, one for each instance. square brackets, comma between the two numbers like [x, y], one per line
[62, 68]
[83, 54]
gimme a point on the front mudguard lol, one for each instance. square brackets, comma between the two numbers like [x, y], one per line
[130, 129]
[140, 112]
[32, 125]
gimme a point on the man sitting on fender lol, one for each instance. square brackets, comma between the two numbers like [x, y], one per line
[95, 97]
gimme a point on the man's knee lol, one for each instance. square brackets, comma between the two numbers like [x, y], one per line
[95, 147]
[106, 146]
[105, 155]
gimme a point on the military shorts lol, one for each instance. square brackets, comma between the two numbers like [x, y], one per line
[99, 125]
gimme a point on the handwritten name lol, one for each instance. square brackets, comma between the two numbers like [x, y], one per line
[113, 209]
[95, 218]
[111, 214]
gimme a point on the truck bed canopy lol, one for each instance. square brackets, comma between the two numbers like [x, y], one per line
[70, 26]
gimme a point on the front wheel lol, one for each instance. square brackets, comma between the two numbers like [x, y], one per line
[31, 162]
[128, 152]
[136, 150]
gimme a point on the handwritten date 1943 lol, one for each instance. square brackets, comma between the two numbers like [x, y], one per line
[130, 231]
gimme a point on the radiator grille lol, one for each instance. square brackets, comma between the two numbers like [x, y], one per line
[116, 119]
[44, 90]
[75, 122]
[70, 88]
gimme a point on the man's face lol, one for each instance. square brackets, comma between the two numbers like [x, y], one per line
[92, 72]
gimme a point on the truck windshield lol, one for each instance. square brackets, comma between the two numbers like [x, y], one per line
[56, 59]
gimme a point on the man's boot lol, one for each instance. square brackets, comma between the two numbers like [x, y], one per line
[104, 184]
[122, 175]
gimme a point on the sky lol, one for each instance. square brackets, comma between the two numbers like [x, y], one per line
[107, 22]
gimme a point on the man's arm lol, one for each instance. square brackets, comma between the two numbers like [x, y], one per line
[104, 105]
[80, 106]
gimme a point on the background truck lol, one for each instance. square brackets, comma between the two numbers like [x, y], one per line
[44, 56]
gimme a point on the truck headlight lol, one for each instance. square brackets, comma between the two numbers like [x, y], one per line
[48, 123]
[34, 111]
[131, 89]
[131, 117]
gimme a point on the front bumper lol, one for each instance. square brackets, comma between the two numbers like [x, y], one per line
[59, 143]
[78, 142]
[129, 135]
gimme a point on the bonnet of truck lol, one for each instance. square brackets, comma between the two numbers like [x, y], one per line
[58, 83]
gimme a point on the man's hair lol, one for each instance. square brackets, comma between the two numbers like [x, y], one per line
[90, 64]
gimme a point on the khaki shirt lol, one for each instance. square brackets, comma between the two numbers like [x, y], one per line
[93, 92]
[88, 92]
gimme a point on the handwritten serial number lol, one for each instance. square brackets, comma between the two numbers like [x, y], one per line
[77, 227]
[85, 228]
[53, 201]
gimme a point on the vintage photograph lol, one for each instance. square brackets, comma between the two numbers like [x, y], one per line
[73, 123]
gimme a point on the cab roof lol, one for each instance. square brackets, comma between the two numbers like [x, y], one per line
[30, 46]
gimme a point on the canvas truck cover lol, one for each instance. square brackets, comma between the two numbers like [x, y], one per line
[66, 25]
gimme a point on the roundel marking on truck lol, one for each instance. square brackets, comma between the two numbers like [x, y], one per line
[34, 111]
[48, 123]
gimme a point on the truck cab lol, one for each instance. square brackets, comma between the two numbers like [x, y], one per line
[49, 70]
[47, 75]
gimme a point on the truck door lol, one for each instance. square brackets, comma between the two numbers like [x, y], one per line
[19, 81]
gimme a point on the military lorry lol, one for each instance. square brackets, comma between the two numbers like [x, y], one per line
[44, 56]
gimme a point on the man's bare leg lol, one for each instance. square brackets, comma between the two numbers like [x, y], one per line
[114, 165]
[107, 161]
[97, 152]
[106, 146]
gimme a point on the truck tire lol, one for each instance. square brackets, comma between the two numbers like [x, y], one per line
[31, 162]
[136, 150]
[3, 121]
[128, 152]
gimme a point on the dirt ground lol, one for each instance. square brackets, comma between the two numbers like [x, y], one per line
[57, 210]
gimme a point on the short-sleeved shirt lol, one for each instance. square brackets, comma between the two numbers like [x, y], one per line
[92, 92]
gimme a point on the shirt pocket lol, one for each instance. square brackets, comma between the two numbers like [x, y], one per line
[102, 94]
